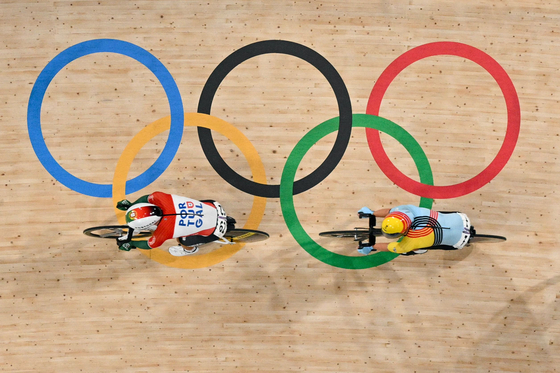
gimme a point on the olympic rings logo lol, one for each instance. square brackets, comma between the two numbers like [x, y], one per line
[257, 187]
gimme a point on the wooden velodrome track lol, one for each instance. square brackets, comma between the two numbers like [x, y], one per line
[71, 303]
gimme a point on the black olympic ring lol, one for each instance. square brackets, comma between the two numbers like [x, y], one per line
[317, 61]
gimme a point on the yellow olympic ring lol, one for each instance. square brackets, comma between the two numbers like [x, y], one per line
[196, 120]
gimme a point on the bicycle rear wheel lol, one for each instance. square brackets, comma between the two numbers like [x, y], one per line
[486, 238]
[113, 231]
[245, 235]
[358, 234]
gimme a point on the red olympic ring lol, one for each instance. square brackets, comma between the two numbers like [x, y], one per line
[513, 119]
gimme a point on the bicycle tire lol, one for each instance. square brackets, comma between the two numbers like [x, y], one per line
[486, 238]
[112, 232]
[358, 234]
[245, 235]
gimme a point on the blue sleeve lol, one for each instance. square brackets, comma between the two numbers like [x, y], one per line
[409, 210]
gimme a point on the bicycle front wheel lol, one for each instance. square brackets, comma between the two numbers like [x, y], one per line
[113, 231]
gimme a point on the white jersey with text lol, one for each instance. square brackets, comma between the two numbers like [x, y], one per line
[183, 217]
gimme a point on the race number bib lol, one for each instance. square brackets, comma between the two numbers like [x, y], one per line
[221, 225]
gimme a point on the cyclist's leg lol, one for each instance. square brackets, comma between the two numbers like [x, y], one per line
[230, 223]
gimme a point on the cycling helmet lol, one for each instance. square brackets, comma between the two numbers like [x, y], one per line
[395, 225]
[143, 216]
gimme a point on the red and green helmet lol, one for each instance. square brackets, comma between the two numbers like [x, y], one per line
[143, 216]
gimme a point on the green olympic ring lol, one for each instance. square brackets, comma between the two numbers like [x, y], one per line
[289, 173]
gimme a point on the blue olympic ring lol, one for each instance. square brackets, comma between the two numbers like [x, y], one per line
[100, 46]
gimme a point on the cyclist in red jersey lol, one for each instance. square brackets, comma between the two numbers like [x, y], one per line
[190, 221]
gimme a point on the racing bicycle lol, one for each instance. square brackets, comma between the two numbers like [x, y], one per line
[366, 235]
[232, 235]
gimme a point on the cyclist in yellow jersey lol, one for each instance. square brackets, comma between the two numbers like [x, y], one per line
[420, 229]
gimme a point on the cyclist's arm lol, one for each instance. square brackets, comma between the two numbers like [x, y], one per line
[124, 204]
[395, 247]
[392, 247]
[126, 244]
[142, 244]
[384, 246]
[143, 199]
[381, 213]
[405, 245]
